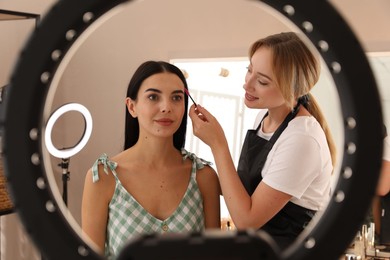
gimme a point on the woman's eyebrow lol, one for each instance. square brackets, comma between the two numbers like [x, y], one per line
[259, 73]
[264, 75]
[153, 90]
[159, 91]
[178, 91]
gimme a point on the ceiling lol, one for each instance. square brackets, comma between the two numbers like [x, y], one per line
[369, 19]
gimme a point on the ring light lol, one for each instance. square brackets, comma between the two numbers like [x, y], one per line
[69, 152]
[328, 239]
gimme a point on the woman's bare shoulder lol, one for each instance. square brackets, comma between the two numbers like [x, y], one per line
[207, 176]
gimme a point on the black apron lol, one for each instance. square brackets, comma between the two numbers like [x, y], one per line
[384, 237]
[289, 222]
[385, 213]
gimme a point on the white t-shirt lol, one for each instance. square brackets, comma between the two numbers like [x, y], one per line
[299, 163]
[386, 149]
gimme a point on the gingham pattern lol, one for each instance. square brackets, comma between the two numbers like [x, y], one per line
[128, 219]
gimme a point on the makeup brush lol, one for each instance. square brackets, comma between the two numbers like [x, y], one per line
[188, 94]
[200, 115]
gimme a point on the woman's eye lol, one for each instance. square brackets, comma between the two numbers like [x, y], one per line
[262, 83]
[152, 97]
[177, 98]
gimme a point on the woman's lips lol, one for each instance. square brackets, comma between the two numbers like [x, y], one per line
[250, 98]
[164, 121]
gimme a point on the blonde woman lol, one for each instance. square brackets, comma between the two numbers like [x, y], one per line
[284, 173]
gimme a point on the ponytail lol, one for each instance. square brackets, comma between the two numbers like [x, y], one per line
[314, 109]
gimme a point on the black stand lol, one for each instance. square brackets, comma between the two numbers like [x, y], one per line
[65, 178]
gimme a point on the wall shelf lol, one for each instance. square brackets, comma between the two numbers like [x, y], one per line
[8, 15]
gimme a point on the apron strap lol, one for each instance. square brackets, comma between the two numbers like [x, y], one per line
[268, 146]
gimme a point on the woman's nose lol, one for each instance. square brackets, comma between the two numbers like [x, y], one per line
[166, 107]
[248, 82]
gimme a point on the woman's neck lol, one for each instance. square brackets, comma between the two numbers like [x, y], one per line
[275, 118]
[156, 150]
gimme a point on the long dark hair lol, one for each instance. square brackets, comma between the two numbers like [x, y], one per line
[144, 71]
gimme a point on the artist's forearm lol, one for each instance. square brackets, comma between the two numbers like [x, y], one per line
[236, 198]
[384, 180]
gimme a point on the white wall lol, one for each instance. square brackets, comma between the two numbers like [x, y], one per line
[98, 74]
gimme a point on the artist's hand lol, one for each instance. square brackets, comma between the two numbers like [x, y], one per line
[206, 127]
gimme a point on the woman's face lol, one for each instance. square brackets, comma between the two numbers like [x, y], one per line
[261, 90]
[160, 105]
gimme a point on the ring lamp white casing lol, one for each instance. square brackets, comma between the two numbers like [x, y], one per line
[68, 152]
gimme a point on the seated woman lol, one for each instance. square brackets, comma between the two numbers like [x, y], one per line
[154, 185]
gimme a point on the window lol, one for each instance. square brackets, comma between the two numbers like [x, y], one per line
[217, 84]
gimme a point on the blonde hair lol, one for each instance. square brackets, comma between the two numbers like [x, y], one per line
[297, 70]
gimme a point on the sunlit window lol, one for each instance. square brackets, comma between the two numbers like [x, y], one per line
[217, 84]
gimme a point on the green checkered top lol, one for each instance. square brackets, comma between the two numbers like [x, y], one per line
[128, 219]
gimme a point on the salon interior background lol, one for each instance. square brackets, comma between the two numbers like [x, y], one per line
[98, 78]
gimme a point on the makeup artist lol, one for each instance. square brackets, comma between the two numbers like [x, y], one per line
[284, 172]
